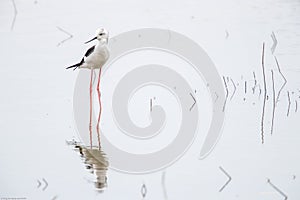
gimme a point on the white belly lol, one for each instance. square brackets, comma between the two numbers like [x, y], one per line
[97, 59]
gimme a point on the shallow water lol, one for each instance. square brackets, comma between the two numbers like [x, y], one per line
[37, 97]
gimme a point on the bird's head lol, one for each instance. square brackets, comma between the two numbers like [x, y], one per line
[101, 35]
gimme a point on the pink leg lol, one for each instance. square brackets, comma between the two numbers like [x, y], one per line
[99, 116]
[91, 107]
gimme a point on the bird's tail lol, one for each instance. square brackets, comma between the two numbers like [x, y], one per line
[76, 65]
[73, 66]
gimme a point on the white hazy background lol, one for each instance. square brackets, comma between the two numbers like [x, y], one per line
[36, 116]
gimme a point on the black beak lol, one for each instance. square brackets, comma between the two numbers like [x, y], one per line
[91, 40]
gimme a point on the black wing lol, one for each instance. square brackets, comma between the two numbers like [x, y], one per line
[89, 51]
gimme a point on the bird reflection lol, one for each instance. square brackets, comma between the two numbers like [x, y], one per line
[96, 162]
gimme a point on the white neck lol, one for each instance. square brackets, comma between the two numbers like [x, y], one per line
[102, 41]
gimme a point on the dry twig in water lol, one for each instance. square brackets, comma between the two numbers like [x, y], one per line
[289, 105]
[234, 87]
[228, 176]
[163, 184]
[277, 189]
[15, 15]
[265, 94]
[274, 102]
[285, 81]
[226, 93]
[255, 82]
[69, 34]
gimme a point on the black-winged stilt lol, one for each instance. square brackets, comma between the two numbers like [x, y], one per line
[95, 58]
